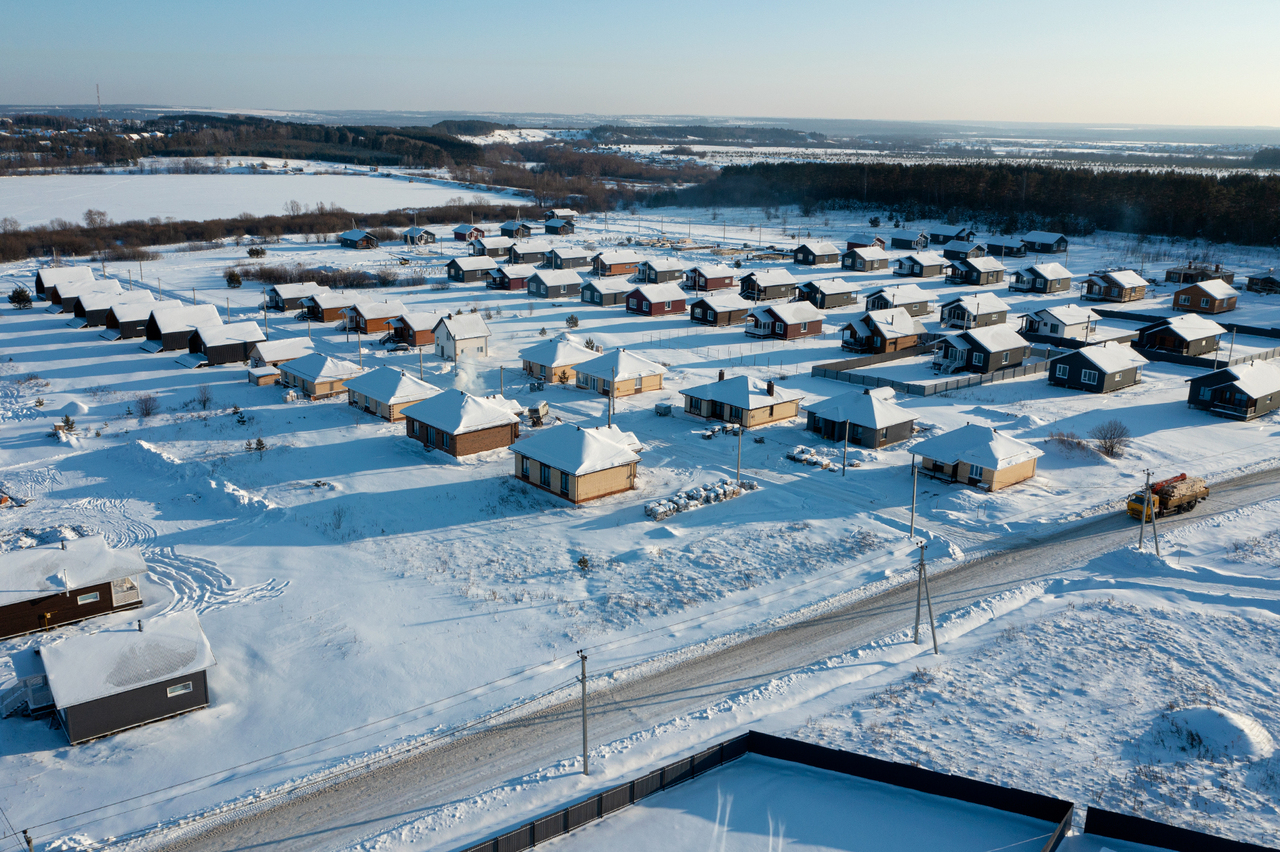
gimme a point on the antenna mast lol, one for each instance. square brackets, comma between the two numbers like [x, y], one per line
[98, 87]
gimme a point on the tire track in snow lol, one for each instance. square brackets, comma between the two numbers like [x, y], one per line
[111, 517]
[198, 584]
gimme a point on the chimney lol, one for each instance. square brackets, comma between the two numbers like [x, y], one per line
[721, 379]
[769, 387]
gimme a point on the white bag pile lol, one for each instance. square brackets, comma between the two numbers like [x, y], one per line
[703, 495]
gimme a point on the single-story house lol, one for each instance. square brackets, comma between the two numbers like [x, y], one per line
[416, 236]
[616, 262]
[555, 283]
[709, 276]
[439, 232]
[719, 309]
[943, 234]
[52, 584]
[1101, 368]
[373, 317]
[1006, 247]
[909, 297]
[1263, 281]
[317, 375]
[620, 373]
[978, 456]
[1044, 242]
[1190, 273]
[125, 676]
[491, 246]
[981, 350]
[1242, 392]
[272, 353]
[866, 418]
[51, 276]
[909, 240]
[67, 295]
[415, 328]
[655, 300]
[170, 325]
[327, 306]
[288, 297]
[742, 399]
[789, 321]
[578, 464]
[358, 239]
[515, 230]
[815, 253]
[529, 251]
[554, 360]
[1214, 296]
[461, 424]
[467, 233]
[865, 259]
[513, 276]
[659, 270]
[863, 239]
[467, 269]
[976, 272]
[1114, 285]
[569, 257]
[923, 264]
[566, 213]
[262, 376]
[962, 250]
[976, 310]
[467, 334]
[606, 292]
[1041, 278]
[386, 392]
[91, 308]
[879, 331]
[225, 343]
[767, 284]
[1069, 322]
[1184, 334]
[558, 227]
[829, 293]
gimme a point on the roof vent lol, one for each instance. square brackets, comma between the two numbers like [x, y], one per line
[769, 387]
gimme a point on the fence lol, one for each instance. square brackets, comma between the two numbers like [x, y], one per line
[1150, 833]
[824, 371]
[1231, 327]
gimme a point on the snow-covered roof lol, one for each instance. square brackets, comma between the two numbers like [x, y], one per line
[601, 285]
[891, 323]
[296, 291]
[417, 320]
[995, 338]
[771, 277]
[906, 235]
[666, 292]
[120, 659]
[1124, 277]
[578, 451]
[1067, 314]
[49, 570]
[1189, 326]
[328, 300]
[353, 234]
[926, 258]
[175, 317]
[391, 386]
[529, 246]
[494, 242]
[1256, 378]
[713, 270]
[54, 276]
[790, 312]
[1047, 271]
[133, 311]
[961, 245]
[949, 229]
[832, 286]
[1215, 287]
[415, 231]
[285, 349]
[246, 331]
[863, 237]
[318, 367]
[518, 270]
[978, 303]
[902, 294]
[664, 264]
[870, 253]
[465, 327]
[725, 302]
[620, 365]
[819, 247]
[1041, 237]
[456, 412]
[103, 301]
[472, 264]
[745, 392]
[564, 252]
[976, 445]
[1113, 356]
[982, 264]
[556, 223]
[512, 224]
[863, 409]
[1005, 242]
[563, 212]
[75, 289]
[561, 351]
[466, 229]
[613, 258]
[562, 278]
[379, 310]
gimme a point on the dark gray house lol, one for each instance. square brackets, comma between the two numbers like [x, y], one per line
[467, 269]
[976, 310]
[978, 271]
[943, 234]
[555, 283]
[1044, 242]
[865, 259]
[909, 297]
[1184, 334]
[765, 284]
[1006, 247]
[1041, 278]
[1242, 392]
[1101, 368]
[981, 350]
[606, 292]
[866, 418]
[43, 587]
[659, 270]
[515, 230]
[909, 240]
[568, 257]
[533, 251]
[719, 309]
[828, 293]
[815, 253]
[962, 250]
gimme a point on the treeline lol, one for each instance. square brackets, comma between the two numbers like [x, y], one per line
[1238, 208]
[470, 127]
[584, 162]
[616, 133]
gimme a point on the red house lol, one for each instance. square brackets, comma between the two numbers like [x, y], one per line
[785, 322]
[656, 300]
[513, 276]
[467, 233]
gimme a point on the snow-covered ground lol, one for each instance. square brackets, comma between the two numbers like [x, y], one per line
[346, 575]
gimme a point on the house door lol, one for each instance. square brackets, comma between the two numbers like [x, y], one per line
[717, 410]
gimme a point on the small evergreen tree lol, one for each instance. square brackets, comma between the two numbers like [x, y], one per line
[542, 332]
[260, 447]
[68, 425]
[20, 298]
[248, 446]
[233, 279]
[571, 321]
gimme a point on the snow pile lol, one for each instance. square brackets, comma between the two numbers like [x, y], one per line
[702, 495]
[808, 455]
[1213, 732]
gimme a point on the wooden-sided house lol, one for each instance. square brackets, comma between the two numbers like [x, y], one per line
[513, 276]
[224, 343]
[767, 284]
[327, 306]
[656, 300]
[1190, 273]
[660, 270]
[317, 375]
[492, 246]
[1044, 242]
[619, 373]
[558, 227]
[885, 330]
[616, 262]
[416, 236]
[981, 350]
[460, 424]
[515, 230]
[1214, 296]
[569, 257]
[1066, 322]
[67, 295]
[578, 464]
[865, 259]
[415, 328]
[529, 251]
[789, 321]
[1041, 278]
[977, 455]
[719, 309]
[566, 213]
[464, 335]
[1184, 334]
[52, 584]
[1006, 247]
[976, 272]
[924, 264]
[605, 292]
[555, 284]
[909, 240]
[467, 269]
[1114, 285]
[373, 317]
[467, 233]
[357, 238]
[171, 325]
[91, 308]
[909, 297]
[51, 276]
[742, 399]
[709, 276]
[272, 353]
[126, 320]
[1241, 392]
[943, 234]
[863, 239]
[554, 360]
[1101, 368]
[962, 250]
[288, 297]
[827, 293]
[386, 392]
[867, 418]
[974, 310]
[815, 253]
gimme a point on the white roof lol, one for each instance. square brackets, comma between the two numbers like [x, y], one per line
[620, 365]
[562, 212]
[664, 264]
[353, 234]
[978, 303]
[602, 285]
[863, 409]
[559, 277]
[1215, 287]
[949, 229]
[863, 237]
[100, 301]
[327, 299]
[1191, 326]
[133, 311]
[892, 323]
[415, 231]
[49, 570]
[561, 351]
[285, 349]
[296, 291]
[1048, 271]
[976, 445]
[471, 264]
[667, 292]
[1005, 242]
[318, 367]
[832, 286]
[1125, 277]
[725, 301]
[236, 332]
[54, 276]
[1041, 237]
[74, 289]
[119, 659]
[902, 294]
[820, 247]
[771, 277]
[619, 256]
[171, 316]
[578, 451]
[714, 270]
[390, 386]
[456, 412]
[982, 264]
[494, 242]
[534, 245]
[465, 327]
[1067, 314]
[745, 392]
[514, 223]
[379, 310]
[906, 235]
[570, 251]
[417, 320]
[1112, 356]
[926, 258]
[518, 270]
[790, 312]
[871, 253]
[1256, 378]
[465, 229]
[996, 338]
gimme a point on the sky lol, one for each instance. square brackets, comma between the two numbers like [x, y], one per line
[1173, 62]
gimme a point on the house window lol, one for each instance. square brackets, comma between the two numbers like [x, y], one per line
[735, 413]
[804, 326]
[1184, 300]
[595, 383]
[646, 306]
[1116, 377]
[1005, 358]
[92, 597]
[1053, 328]
[444, 440]
[668, 306]
[631, 303]
[582, 381]
[431, 437]
[542, 371]
[976, 471]
[977, 359]
[1062, 371]
[524, 467]
[697, 313]
[1204, 303]
[544, 476]
[413, 425]
[875, 340]
[779, 327]
[178, 689]
[695, 405]
[1089, 377]
[564, 483]
[639, 383]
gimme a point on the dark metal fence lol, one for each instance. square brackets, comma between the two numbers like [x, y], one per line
[1237, 328]
[1138, 830]
[825, 371]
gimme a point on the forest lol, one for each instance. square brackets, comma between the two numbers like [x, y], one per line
[654, 134]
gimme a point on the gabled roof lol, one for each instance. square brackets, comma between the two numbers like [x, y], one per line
[664, 264]
[512, 224]
[901, 294]
[926, 258]
[354, 234]
[863, 237]
[613, 258]
[1123, 277]
[379, 310]
[620, 365]
[724, 302]
[890, 323]
[1255, 378]
[284, 349]
[952, 230]
[494, 242]
[831, 286]
[977, 445]
[600, 285]
[771, 277]
[466, 229]
[562, 278]
[563, 212]
[415, 231]
[1188, 326]
[327, 300]
[666, 292]
[38, 572]
[132, 311]
[745, 392]
[819, 247]
[570, 251]
[417, 320]
[993, 338]
[790, 313]
[564, 350]
[863, 409]
[295, 291]
[713, 270]
[246, 331]
[1215, 287]
[456, 412]
[318, 367]
[1067, 314]
[103, 301]
[175, 317]
[472, 264]
[73, 289]
[578, 451]
[961, 245]
[907, 234]
[465, 327]
[517, 270]
[391, 386]
[978, 303]
[1047, 271]
[869, 253]
[1042, 237]
[1112, 357]
[980, 264]
[54, 276]
[1006, 242]
[556, 223]
[530, 246]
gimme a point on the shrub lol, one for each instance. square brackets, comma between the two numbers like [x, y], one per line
[542, 332]
[1112, 438]
[571, 320]
[233, 279]
[147, 404]
[257, 251]
[204, 397]
[20, 298]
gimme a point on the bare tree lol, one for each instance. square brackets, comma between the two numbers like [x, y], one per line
[204, 397]
[96, 218]
[1112, 438]
[148, 404]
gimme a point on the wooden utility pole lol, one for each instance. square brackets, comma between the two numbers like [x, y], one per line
[359, 349]
[586, 770]
[420, 375]
[922, 584]
[228, 309]
[1155, 535]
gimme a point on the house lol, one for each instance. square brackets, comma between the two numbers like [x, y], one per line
[880, 331]
[554, 360]
[125, 676]
[566, 213]
[1214, 296]
[225, 343]
[529, 251]
[865, 259]
[272, 353]
[789, 321]
[815, 254]
[976, 272]
[555, 283]
[288, 297]
[1101, 368]
[981, 350]
[1114, 285]
[318, 376]
[513, 276]
[170, 325]
[91, 308]
[660, 270]
[906, 296]
[1041, 278]
[491, 246]
[467, 233]
[386, 392]
[1242, 392]
[1044, 242]
[53, 584]
[742, 399]
[616, 262]
[67, 295]
[416, 236]
[976, 310]
[125, 320]
[766, 284]
[1185, 334]
[909, 240]
[961, 250]
[943, 234]
[709, 276]
[439, 233]
[1263, 281]
[415, 328]
[1006, 247]
[515, 230]
[373, 317]
[461, 424]
[467, 269]
[863, 239]
[578, 464]
[829, 293]
[569, 257]
[978, 456]
[719, 309]
[619, 373]
[467, 334]
[1066, 322]
[921, 265]
[327, 306]
[1191, 273]
[559, 227]
[866, 418]
[605, 292]
[655, 300]
[358, 239]
[51, 276]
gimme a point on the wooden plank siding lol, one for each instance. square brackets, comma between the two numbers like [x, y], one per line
[580, 489]
[465, 444]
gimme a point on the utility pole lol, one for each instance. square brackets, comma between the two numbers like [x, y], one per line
[741, 429]
[1155, 534]
[583, 680]
[1232, 351]
[922, 583]
[359, 349]
[420, 375]
[1146, 507]
[159, 285]
[844, 467]
[193, 295]
[308, 326]
[27, 837]
[228, 309]
[613, 390]
[915, 476]
[502, 385]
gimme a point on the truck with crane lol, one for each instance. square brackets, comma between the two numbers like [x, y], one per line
[1174, 495]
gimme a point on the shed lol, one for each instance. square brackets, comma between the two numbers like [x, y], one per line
[263, 376]
[91, 308]
[467, 269]
[1101, 368]
[653, 300]
[569, 257]
[909, 297]
[415, 328]
[513, 276]
[976, 271]
[170, 325]
[67, 295]
[386, 391]
[554, 360]
[865, 259]
[923, 264]
[815, 253]
[288, 297]
[620, 373]
[864, 418]
[1214, 296]
[529, 251]
[789, 321]
[1069, 322]
[742, 399]
[457, 336]
[660, 270]
[492, 246]
[555, 283]
[1114, 285]
[461, 424]
[768, 284]
[1241, 392]
[981, 350]
[318, 376]
[327, 306]
[909, 240]
[828, 293]
[978, 456]
[515, 230]
[1041, 278]
[605, 292]
[709, 276]
[616, 262]
[1184, 334]
[416, 236]
[358, 239]
[880, 331]
[125, 320]
[974, 310]
[1044, 242]
[863, 239]
[51, 276]
[578, 464]
[225, 343]
[719, 309]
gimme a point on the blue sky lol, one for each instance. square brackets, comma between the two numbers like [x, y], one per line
[1141, 62]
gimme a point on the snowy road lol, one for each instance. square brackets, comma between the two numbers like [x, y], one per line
[340, 816]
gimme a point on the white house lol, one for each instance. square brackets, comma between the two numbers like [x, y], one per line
[467, 334]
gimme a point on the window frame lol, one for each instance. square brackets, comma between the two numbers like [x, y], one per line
[1089, 377]
[179, 689]
[88, 598]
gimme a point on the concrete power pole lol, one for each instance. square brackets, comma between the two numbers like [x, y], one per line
[1142, 527]
[922, 584]
[586, 770]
